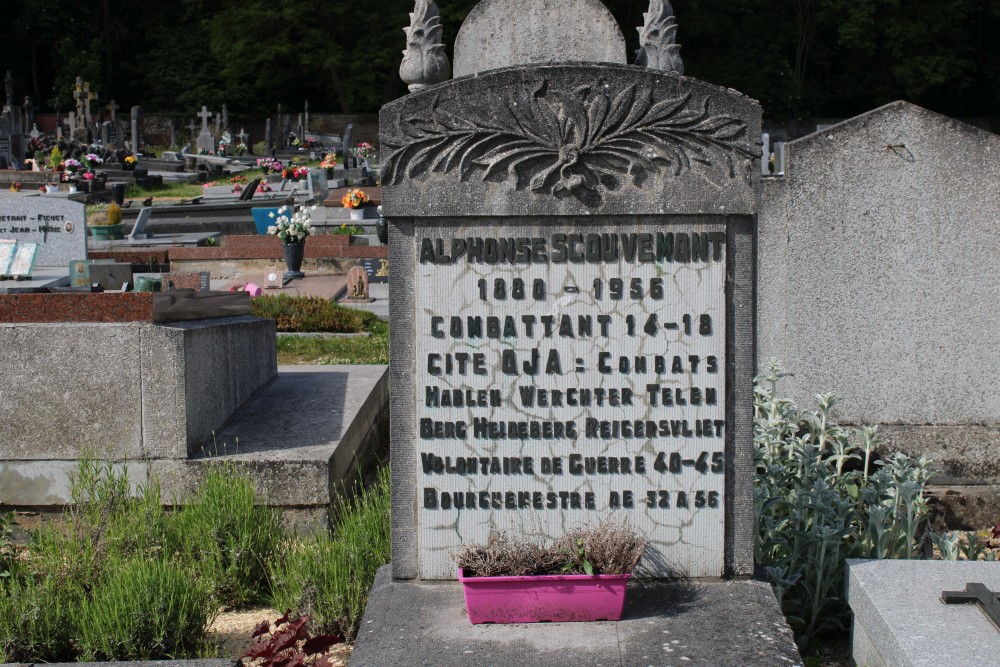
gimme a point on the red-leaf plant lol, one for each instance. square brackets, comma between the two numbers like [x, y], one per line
[287, 644]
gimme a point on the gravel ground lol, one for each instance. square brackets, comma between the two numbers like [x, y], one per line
[232, 631]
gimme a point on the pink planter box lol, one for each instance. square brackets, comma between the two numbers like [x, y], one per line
[558, 598]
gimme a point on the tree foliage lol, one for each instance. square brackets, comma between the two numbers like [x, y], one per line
[798, 57]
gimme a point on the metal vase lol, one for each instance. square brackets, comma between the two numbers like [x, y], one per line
[293, 260]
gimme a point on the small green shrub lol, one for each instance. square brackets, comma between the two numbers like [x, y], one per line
[227, 535]
[821, 498]
[36, 619]
[310, 313]
[145, 610]
[328, 577]
[8, 551]
[110, 515]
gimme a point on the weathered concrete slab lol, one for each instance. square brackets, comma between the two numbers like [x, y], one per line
[716, 623]
[900, 620]
[126, 390]
[303, 438]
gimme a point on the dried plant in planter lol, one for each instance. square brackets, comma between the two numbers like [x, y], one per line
[607, 548]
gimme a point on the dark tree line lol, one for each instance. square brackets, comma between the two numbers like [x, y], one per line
[800, 58]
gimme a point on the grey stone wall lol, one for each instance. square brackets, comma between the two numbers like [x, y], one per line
[879, 281]
[126, 390]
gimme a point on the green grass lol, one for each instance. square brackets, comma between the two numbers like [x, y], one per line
[328, 577]
[371, 349]
[174, 190]
[303, 314]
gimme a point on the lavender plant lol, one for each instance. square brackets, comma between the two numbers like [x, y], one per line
[821, 497]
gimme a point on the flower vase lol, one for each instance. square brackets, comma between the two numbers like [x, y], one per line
[357, 214]
[293, 260]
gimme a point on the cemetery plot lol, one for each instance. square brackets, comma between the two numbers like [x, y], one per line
[565, 373]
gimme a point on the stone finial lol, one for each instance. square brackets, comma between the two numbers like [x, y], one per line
[657, 46]
[424, 60]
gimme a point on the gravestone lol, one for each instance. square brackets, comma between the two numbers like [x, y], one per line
[6, 155]
[205, 141]
[348, 138]
[869, 194]
[138, 125]
[269, 135]
[498, 33]
[902, 616]
[58, 226]
[572, 340]
[589, 337]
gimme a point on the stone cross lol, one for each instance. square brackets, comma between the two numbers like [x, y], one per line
[78, 98]
[192, 127]
[72, 122]
[306, 126]
[225, 117]
[243, 136]
[113, 107]
[269, 135]
[976, 594]
[87, 99]
[204, 115]
[299, 129]
[173, 136]
[218, 123]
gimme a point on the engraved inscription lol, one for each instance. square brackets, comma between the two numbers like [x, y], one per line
[564, 376]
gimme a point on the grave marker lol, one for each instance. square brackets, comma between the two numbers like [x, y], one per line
[205, 140]
[58, 226]
[572, 338]
[138, 125]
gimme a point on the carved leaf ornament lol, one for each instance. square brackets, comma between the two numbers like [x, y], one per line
[567, 143]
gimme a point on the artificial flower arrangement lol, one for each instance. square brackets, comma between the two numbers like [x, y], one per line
[355, 198]
[294, 173]
[241, 148]
[268, 165]
[329, 161]
[70, 169]
[130, 159]
[292, 228]
[238, 181]
[364, 150]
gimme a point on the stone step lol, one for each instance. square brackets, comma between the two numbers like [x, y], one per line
[719, 623]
